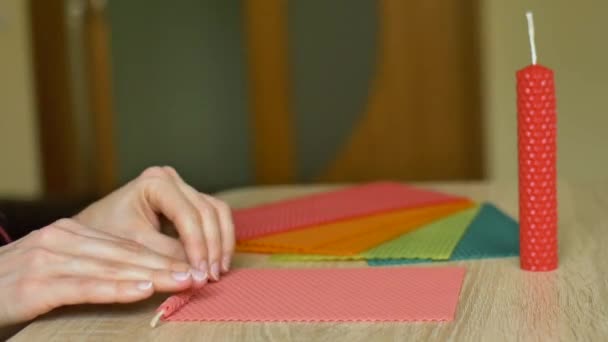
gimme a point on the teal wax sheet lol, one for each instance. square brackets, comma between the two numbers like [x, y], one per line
[492, 234]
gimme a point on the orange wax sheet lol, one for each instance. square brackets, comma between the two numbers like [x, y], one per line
[352, 236]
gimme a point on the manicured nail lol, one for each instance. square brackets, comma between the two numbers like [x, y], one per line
[199, 276]
[215, 271]
[226, 263]
[144, 285]
[202, 266]
[180, 276]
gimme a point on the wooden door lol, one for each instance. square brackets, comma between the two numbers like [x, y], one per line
[73, 92]
[422, 118]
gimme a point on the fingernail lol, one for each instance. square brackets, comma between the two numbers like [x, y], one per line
[215, 271]
[203, 266]
[226, 263]
[199, 276]
[180, 276]
[144, 285]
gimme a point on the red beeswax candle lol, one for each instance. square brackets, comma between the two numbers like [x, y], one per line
[536, 126]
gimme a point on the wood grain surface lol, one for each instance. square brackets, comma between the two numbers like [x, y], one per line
[499, 302]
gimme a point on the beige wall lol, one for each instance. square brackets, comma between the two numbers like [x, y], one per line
[19, 159]
[571, 39]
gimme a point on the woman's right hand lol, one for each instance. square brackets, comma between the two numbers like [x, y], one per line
[66, 263]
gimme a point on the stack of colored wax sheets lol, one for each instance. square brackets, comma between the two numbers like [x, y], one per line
[382, 223]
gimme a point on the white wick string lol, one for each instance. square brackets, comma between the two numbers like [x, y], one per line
[531, 35]
[156, 318]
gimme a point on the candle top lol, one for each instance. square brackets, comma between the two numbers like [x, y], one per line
[535, 70]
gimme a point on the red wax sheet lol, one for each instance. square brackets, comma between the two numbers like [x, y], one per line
[324, 295]
[332, 206]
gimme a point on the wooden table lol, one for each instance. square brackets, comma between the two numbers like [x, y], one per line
[498, 301]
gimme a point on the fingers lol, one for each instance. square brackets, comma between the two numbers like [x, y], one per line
[211, 223]
[76, 228]
[42, 279]
[211, 229]
[221, 213]
[178, 278]
[55, 266]
[162, 244]
[64, 241]
[166, 199]
[157, 242]
[82, 290]
[38, 296]
[226, 230]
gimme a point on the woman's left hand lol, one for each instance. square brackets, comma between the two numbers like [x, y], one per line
[204, 223]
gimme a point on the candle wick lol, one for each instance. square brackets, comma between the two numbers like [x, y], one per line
[156, 318]
[531, 36]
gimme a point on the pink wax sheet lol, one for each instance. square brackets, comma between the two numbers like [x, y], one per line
[332, 206]
[323, 295]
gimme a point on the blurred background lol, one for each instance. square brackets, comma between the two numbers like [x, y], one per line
[245, 92]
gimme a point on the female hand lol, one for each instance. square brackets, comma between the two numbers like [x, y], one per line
[204, 223]
[68, 263]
